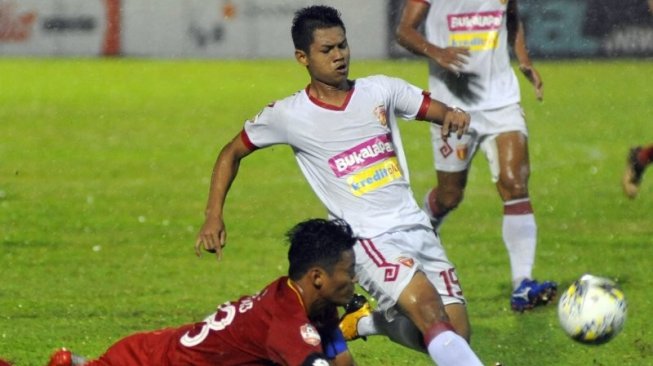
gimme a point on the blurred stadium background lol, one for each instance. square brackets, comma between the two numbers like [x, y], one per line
[259, 28]
[112, 113]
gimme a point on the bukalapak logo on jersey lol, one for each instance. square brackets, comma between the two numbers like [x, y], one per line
[373, 164]
[487, 20]
[475, 31]
[362, 155]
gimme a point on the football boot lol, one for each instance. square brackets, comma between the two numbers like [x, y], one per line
[357, 308]
[531, 293]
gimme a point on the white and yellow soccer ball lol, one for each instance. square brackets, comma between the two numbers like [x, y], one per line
[592, 310]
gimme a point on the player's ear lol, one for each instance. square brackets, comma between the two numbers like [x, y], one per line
[301, 57]
[317, 277]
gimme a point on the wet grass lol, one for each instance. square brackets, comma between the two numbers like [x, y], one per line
[104, 169]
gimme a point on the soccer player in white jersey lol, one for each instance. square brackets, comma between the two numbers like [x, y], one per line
[466, 43]
[345, 139]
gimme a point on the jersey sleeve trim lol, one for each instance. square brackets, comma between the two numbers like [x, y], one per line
[245, 139]
[426, 102]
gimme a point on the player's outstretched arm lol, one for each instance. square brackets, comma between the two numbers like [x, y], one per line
[410, 37]
[517, 39]
[452, 119]
[213, 234]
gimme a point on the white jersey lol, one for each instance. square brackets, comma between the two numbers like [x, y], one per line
[351, 155]
[479, 25]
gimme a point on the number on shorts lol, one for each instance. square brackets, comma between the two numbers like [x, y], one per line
[451, 280]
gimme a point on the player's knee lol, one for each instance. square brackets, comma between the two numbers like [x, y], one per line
[512, 189]
[450, 199]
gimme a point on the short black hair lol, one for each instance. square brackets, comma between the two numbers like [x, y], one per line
[308, 19]
[317, 242]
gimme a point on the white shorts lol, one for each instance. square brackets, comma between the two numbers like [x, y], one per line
[385, 265]
[455, 154]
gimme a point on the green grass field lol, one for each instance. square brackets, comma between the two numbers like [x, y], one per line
[104, 172]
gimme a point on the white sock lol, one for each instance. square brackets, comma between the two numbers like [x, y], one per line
[520, 237]
[448, 348]
[366, 326]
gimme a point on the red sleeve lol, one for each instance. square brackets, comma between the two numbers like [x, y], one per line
[426, 102]
[247, 141]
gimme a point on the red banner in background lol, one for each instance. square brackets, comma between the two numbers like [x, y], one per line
[15, 25]
[111, 46]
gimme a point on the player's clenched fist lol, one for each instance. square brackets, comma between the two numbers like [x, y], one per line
[455, 121]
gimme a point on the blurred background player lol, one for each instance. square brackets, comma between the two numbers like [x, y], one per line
[638, 159]
[345, 138]
[466, 43]
[292, 321]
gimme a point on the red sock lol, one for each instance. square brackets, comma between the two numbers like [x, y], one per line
[645, 155]
[435, 330]
[519, 206]
[431, 201]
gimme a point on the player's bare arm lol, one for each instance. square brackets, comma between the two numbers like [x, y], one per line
[409, 36]
[517, 39]
[452, 119]
[343, 359]
[213, 234]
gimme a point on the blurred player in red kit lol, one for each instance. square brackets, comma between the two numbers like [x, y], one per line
[466, 43]
[638, 159]
[292, 321]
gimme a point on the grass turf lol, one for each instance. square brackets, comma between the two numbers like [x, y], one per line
[104, 171]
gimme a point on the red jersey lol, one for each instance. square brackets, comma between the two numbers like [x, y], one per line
[270, 327]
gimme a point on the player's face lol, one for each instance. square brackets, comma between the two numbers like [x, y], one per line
[328, 59]
[339, 286]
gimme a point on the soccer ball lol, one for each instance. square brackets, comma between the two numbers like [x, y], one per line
[592, 310]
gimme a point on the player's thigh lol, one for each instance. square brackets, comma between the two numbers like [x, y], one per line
[443, 276]
[440, 271]
[429, 252]
[386, 265]
[514, 166]
[504, 141]
[421, 302]
[384, 269]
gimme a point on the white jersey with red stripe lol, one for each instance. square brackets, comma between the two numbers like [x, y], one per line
[479, 25]
[351, 155]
